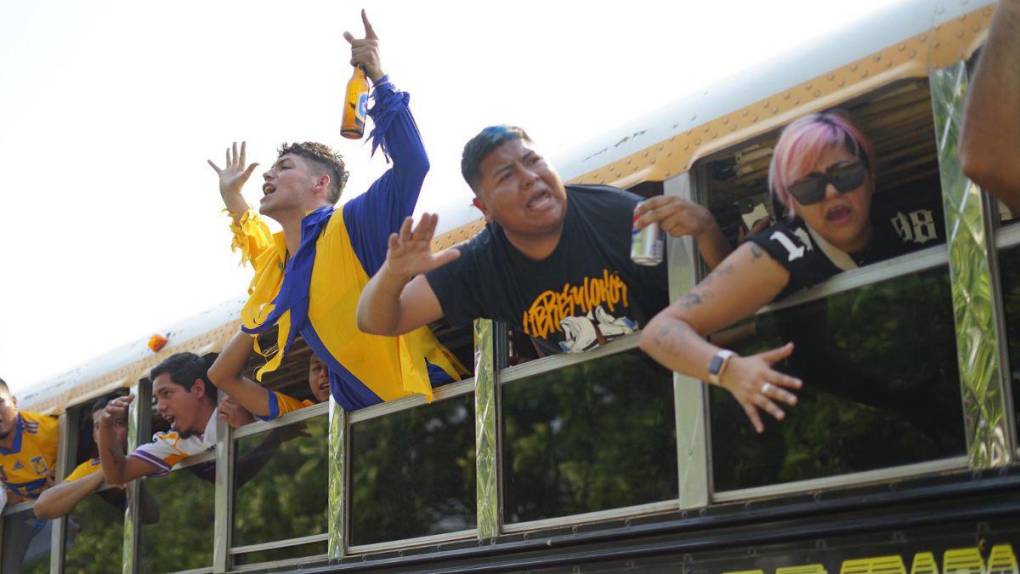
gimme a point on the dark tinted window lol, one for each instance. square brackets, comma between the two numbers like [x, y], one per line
[881, 387]
[413, 472]
[1009, 267]
[589, 437]
[94, 539]
[181, 537]
[280, 483]
[26, 543]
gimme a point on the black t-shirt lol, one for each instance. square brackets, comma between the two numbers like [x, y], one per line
[898, 227]
[586, 292]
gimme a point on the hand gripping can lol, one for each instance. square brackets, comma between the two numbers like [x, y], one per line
[646, 245]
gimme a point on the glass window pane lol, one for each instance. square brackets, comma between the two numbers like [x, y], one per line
[26, 543]
[413, 472]
[589, 437]
[181, 536]
[94, 539]
[281, 483]
[881, 387]
[1009, 268]
[312, 549]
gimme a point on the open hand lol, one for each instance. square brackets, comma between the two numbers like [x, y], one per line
[365, 51]
[235, 174]
[410, 251]
[756, 385]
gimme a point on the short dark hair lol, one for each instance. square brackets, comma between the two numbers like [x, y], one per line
[185, 368]
[480, 146]
[323, 156]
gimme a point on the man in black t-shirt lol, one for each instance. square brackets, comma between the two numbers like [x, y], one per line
[553, 262]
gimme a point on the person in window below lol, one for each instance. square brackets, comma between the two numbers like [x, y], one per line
[263, 403]
[553, 262]
[990, 140]
[184, 397]
[822, 174]
[28, 449]
[308, 277]
[86, 478]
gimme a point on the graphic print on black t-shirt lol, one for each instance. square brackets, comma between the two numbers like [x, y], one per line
[585, 293]
[586, 314]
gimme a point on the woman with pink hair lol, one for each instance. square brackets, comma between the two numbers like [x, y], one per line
[822, 178]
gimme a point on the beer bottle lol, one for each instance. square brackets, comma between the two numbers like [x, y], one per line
[355, 105]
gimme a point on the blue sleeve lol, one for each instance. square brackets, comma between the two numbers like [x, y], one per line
[371, 217]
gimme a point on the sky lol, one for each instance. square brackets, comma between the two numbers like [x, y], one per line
[110, 217]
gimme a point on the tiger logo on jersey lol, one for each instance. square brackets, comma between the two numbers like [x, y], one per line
[39, 465]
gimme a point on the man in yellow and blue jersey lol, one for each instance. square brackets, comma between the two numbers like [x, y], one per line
[308, 278]
[28, 449]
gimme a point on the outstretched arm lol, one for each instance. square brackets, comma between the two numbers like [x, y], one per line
[679, 217]
[61, 499]
[990, 141]
[226, 374]
[117, 468]
[747, 280]
[233, 176]
[399, 299]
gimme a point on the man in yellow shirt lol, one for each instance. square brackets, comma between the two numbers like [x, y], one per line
[86, 478]
[263, 403]
[28, 449]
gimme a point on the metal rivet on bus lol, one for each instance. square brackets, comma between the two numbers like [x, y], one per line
[726, 121]
[842, 83]
[913, 54]
[961, 34]
[853, 67]
[786, 96]
[937, 44]
[878, 58]
[901, 47]
[697, 142]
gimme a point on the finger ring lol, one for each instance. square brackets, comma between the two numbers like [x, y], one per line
[766, 388]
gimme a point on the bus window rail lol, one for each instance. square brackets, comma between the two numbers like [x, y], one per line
[382, 409]
[556, 362]
[290, 418]
[278, 544]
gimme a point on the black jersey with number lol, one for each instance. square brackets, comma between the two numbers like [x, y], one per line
[898, 228]
[586, 292]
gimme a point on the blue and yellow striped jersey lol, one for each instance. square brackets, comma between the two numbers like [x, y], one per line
[32, 458]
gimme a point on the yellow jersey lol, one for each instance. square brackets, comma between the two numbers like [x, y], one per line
[31, 460]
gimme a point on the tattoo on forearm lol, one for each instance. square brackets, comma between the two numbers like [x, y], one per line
[689, 300]
[670, 337]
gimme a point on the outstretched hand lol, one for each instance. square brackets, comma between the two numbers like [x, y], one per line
[756, 385]
[365, 51]
[234, 175]
[410, 250]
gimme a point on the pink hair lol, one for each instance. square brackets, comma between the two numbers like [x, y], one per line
[803, 142]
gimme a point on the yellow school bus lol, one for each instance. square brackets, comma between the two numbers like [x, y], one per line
[901, 456]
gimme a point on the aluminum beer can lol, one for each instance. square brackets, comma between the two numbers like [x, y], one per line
[646, 245]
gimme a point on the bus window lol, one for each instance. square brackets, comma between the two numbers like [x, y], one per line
[94, 535]
[878, 354]
[1009, 269]
[586, 437]
[26, 543]
[181, 536]
[280, 484]
[881, 387]
[412, 472]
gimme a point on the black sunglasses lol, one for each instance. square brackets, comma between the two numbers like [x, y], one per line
[844, 177]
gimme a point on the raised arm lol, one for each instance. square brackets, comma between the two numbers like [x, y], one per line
[372, 216]
[990, 141]
[226, 374]
[117, 468]
[233, 176]
[747, 280]
[679, 217]
[398, 299]
[61, 499]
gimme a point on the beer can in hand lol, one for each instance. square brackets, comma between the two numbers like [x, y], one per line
[646, 245]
